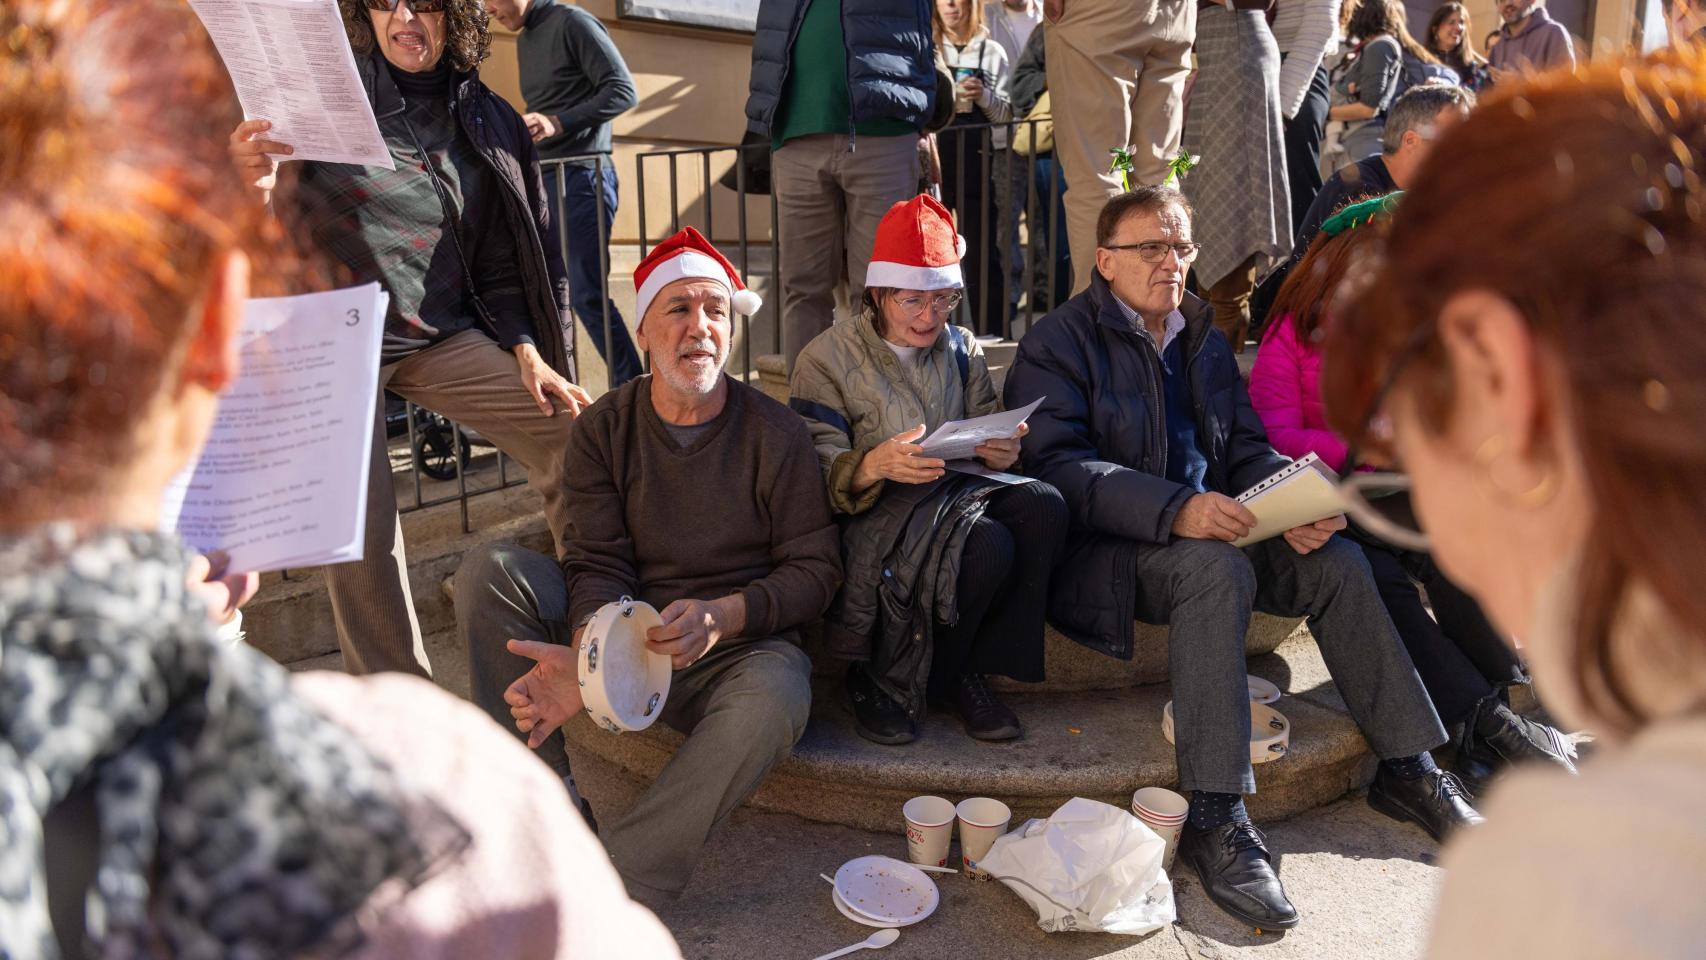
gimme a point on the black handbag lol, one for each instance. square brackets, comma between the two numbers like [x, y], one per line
[754, 155]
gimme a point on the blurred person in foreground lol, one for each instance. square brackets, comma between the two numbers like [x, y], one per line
[1543, 386]
[1463, 660]
[479, 306]
[163, 794]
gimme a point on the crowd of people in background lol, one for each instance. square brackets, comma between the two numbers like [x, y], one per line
[1484, 320]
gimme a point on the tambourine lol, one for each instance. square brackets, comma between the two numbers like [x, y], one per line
[1270, 731]
[623, 682]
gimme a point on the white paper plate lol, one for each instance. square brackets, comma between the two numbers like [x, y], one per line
[887, 890]
[1262, 691]
[855, 915]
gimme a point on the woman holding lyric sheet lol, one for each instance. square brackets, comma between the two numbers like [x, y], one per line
[1542, 380]
[1463, 660]
[930, 608]
[163, 794]
[478, 304]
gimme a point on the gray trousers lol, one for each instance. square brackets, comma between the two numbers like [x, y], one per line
[828, 202]
[1206, 589]
[743, 706]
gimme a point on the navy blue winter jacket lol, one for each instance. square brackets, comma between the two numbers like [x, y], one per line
[890, 60]
[1101, 439]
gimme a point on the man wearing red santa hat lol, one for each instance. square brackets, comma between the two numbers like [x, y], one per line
[701, 496]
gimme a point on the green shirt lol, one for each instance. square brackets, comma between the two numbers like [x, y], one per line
[815, 97]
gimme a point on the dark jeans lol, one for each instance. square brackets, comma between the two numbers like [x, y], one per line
[1048, 186]
[584, 239]
[1206, 589]
[968, 170]
[1461, 657]
[1003, 589]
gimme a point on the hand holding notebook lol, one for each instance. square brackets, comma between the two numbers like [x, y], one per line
[1303, 493]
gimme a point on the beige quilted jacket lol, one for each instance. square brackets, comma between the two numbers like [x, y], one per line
[855, 393]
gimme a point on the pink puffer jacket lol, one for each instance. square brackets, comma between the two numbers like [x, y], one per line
[1285, 388]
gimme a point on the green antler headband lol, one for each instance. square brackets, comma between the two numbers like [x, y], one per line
[1360, 213]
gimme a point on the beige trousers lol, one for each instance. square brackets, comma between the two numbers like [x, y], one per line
[1116, 77]
[828, 203]
[476, 383]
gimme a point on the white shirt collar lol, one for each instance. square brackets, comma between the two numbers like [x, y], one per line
[1171, 328]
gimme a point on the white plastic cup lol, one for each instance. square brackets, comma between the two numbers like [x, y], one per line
[1164, 812]
[929, 828]
[982, 820]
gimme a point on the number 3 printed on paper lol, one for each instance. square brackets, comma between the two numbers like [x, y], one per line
[354, 317]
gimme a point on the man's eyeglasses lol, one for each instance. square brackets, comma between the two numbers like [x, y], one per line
[1155, 251]
[418, 6]
[942, 306]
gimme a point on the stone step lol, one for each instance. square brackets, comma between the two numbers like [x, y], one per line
[1070, 666]
[1102, 744]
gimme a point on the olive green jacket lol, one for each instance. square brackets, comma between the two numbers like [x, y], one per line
[855, 393]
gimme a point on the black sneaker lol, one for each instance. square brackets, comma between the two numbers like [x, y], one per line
[1496, 737]
[1238, 874]
[985, 717]
[877, 716]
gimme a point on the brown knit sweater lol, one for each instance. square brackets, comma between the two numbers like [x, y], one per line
[741, 510]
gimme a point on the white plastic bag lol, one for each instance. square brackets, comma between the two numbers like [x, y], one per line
[1088, 867]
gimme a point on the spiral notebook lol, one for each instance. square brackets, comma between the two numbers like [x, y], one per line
[1304, 492]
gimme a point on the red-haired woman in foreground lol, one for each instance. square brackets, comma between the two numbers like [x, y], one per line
[162, 794]
[1542, 380]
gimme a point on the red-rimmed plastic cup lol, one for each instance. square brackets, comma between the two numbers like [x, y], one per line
[982, 820]
[1164, 812]
[929, 828]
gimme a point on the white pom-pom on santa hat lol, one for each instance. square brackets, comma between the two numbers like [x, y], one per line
[688, 255]
[917, 248]
[745, 302]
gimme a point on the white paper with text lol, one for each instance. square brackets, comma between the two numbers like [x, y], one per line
[291, 63]
[282, 479]
[959, 439]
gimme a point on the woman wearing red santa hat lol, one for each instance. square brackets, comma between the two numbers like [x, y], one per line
[947, 570]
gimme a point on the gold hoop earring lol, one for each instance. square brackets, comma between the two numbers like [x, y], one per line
[1534, 497]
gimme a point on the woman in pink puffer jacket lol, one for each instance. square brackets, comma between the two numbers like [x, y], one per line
[1463, 661]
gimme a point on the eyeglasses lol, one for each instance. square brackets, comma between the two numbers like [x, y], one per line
[942, 306]
[1379, 500]
[418, 6]
[1155, 251]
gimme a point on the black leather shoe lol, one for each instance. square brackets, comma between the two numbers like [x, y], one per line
[1237, 873]
[986, 718]
[876, 714]
[1496, 737]
[1438, 802]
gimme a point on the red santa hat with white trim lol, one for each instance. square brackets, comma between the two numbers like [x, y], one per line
[688, 255]
[917, 247]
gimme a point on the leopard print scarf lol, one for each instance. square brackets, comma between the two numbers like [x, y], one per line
[234, 820]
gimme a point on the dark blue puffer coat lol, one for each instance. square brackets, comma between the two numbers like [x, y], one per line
[1101, 439]
[890, 59]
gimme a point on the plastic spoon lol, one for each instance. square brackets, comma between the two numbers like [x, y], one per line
[875, 941]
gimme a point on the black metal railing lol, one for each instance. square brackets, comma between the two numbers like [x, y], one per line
[979, 180]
